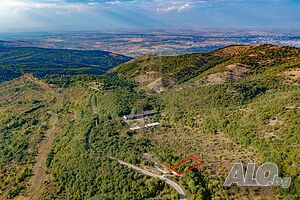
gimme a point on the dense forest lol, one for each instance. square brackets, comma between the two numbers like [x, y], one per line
[236, 104]
[15, 61]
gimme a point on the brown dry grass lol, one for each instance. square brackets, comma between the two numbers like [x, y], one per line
[161, 84]
[232, 50]
[149, 76]
[291, 76]
[218, 152]
[231, 73]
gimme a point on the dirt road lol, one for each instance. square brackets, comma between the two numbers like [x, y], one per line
[36, 182]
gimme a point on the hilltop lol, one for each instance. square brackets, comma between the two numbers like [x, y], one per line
[228, 64]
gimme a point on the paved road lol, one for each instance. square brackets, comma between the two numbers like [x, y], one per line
[91, 103]
[135, 168]
[167, 181]
[88, 136]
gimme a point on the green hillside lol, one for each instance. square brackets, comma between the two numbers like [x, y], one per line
[180, 68]
[15, 61]
[236, 104]
[250, 97]
[46, 113]
[185, 67]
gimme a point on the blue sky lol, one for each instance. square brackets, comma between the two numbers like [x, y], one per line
[67, 15]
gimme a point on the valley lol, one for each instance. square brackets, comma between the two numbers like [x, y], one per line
[137, 43]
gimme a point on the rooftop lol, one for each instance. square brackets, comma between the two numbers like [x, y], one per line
[141, 115]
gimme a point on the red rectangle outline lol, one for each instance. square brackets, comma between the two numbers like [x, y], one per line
[185, 161]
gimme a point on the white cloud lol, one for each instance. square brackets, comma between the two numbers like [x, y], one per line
[114, 2]
[19, 4]
[184, 7]
[166, 9]
[101, 14]
[19, 14]
[173, 6]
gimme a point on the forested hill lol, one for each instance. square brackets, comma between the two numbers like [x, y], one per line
[15, 61]
[239, 104]
[250, 94]
[228, 64]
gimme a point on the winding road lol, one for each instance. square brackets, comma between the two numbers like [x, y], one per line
[142, 171]
[145, 172]
[91, 103]
[88, 136]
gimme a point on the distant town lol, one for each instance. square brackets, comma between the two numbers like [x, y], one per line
[139, 43]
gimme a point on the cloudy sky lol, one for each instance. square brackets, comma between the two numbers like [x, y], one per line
[66, 15]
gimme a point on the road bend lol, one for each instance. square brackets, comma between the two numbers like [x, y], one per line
[145, 172]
